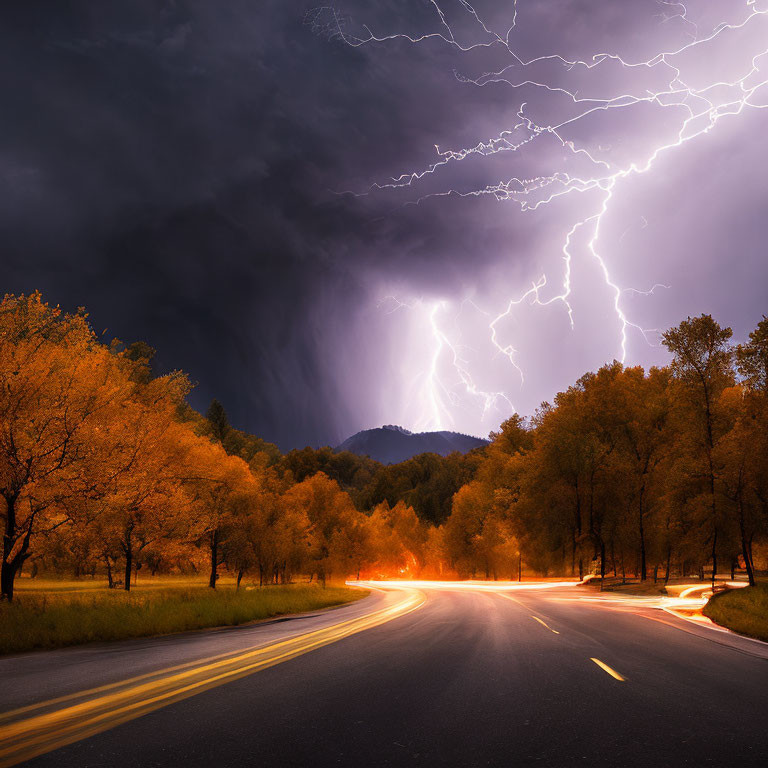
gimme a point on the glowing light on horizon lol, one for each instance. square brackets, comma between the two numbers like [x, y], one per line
[700, 106]
[468, 586]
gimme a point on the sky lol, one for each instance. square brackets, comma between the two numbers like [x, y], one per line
[432, 214]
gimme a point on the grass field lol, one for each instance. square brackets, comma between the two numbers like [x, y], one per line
[645, 588]
[51, 614]
[633, 588]
[742, 610]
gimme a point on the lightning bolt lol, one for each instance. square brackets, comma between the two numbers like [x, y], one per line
[439, 397]
[698, 109]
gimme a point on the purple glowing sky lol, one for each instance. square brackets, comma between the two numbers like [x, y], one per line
[607, 192]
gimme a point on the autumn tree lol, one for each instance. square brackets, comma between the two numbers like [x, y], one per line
[478, 533]
[627, 412]
[397, 540]
[147, 500]
[752, 359]
[58, 388]
[735, 455]
[742, 452]
[701, 363]
[329, 511]
[222, 489]
[566, 467]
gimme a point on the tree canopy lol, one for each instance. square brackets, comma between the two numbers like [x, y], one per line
[105, 468]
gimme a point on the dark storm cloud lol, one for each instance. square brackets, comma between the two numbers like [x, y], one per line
[169, 165]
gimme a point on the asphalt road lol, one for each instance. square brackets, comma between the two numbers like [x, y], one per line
[468, 678]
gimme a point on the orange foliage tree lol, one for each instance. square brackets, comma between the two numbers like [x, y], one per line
[59, 389]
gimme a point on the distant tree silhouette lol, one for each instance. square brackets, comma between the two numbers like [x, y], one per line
[217, 420]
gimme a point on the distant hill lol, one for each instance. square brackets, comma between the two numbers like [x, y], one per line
[391, 444]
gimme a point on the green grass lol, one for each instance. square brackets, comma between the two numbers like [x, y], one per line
[633, 588]
[742, 610]
[70, 613]
[52, 585]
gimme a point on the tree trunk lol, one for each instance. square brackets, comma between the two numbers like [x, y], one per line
[127, 547]
[214, 558]
[602, 563]
[8, 572]
[643, 566]
[128, 568]
[239, 577]
[746, 545]
[577, 536]
[713, 502]
[7, 576]
[573, 554]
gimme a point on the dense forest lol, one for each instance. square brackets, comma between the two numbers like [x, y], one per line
[106, 470]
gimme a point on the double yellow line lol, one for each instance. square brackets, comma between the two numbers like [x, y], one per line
[39, 728]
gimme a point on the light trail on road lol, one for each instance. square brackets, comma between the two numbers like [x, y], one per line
[34, 730]
[687, 604]
[473, 586]
[406, 682]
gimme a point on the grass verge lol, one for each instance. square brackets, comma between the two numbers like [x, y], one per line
[43, 619]
[642, 588]
[743, 610]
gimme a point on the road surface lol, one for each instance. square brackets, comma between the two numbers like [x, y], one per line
[419, 676]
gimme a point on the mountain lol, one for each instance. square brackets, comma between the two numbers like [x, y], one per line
[391, 444]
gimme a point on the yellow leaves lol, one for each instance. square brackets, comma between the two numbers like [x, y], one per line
[396, 540]
[85, 432]
[88, 436]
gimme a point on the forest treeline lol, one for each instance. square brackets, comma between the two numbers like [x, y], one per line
[105, 469]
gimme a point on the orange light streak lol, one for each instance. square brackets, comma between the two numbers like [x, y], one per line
[472, 586]
[48, 725]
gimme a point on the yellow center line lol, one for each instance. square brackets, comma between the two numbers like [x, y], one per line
[612, 672]
[544, 624]
[119, 702]
[509, 597]
[535, 618]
